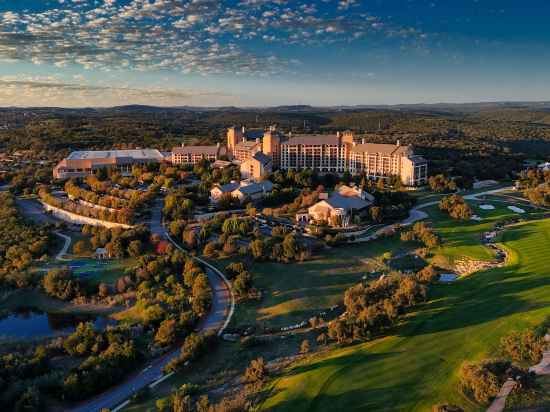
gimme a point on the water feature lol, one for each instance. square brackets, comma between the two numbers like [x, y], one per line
[30, 323]
[447, 277]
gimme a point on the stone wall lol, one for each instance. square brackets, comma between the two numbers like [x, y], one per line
[73, 218]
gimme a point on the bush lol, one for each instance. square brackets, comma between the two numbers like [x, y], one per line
[523, 346]
[256, 371]
[483, 380]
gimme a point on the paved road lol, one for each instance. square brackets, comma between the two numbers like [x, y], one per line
[217, 320]
[33, 210]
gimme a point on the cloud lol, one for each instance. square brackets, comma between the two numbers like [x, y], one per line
[49, 91]
[190, 36]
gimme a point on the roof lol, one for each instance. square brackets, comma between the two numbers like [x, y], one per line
[254, 134]
[137, 154]
[262, 158]
[338, 201]
[229, 187]
[314, 139]
[206, 150]
[386, 149]
[247, 144]
[263, 186]
[418, 160]
[348, 191]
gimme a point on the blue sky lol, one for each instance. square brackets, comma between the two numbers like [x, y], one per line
[262, 53]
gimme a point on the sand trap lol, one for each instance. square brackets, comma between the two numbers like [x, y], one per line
[516, 209]
[476, 217]
[447, 277]
[487, 207]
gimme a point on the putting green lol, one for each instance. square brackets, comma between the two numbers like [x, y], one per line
[418, 366]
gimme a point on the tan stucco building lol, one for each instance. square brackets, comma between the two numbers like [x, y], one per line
[330, 153]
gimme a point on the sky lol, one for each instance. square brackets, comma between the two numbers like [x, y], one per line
[90, 53]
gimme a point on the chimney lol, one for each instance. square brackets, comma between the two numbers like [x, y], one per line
[258, 140]
[398, 142]
[354, 143]
[337, 134]
[363, 140]
[218, 145]
[182, 144]
[290, 134]
[244, 139]
[243, 130]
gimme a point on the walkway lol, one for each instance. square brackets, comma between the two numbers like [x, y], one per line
[65, 247]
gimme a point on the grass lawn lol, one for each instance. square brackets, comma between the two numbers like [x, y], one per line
[297, 291]
[418, 366]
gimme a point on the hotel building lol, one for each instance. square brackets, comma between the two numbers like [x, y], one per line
[336, 153]
[191, 155]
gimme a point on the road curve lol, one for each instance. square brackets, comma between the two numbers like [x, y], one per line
[217, 320]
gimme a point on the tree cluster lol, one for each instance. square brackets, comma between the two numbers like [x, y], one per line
[370, 309]
[456, 207]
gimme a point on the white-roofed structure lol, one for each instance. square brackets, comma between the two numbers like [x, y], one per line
[84, 163]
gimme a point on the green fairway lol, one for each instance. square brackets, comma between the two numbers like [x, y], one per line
[418, 366]
[463, 239]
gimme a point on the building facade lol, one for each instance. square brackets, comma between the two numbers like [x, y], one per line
[336, 153]
[257, 167]
[191, 155]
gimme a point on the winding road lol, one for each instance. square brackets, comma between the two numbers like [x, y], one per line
[217, 320]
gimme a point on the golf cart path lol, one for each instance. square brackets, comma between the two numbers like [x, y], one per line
[541, 368]
[65, 247]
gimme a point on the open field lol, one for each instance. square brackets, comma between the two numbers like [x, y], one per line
[418, 366]
[295, 292]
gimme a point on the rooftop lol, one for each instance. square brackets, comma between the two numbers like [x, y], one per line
[314, 139]
[113, 154]
[208, 150]
[387, 149]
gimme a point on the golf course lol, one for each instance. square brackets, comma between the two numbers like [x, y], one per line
[417, 365]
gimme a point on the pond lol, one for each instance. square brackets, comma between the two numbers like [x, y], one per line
[31, 323]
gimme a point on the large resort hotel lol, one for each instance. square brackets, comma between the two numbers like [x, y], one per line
[258, 153]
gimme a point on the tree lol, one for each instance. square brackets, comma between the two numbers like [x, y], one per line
[257, 249]
[190, 238]
[61, 284]
[135, 248]
[80, 247]
[256, 371]
[322, 339]
[166, 333]
[304, 347]
[181, 403]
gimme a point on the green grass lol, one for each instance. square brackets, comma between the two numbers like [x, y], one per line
[418, 366]
[463, 238]
[294, 292]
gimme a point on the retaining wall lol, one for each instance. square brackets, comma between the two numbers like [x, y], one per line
[73, 218]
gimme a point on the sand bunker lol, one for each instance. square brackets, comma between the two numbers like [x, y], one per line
[487, 207]
[516, 209]
[476, 217]
[447, 277]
